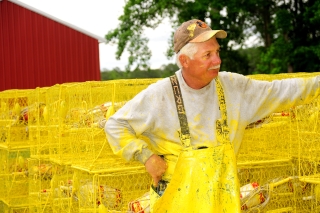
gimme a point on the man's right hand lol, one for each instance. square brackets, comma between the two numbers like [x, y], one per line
[156, 167]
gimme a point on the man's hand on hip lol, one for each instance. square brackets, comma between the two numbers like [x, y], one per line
[156, 167]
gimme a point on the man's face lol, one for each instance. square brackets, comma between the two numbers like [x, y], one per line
[205, 64]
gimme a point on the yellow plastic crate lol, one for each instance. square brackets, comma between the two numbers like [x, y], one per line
[12, 135]
[284, 196]
[50, 186]
[271, 77]
[14, 189]
[112, 191]
[14, 118]
[86, 115]
[5, 208]
[18, 208]
[261, 142]
[73, 118]
[126, 89]
[37, 102]
[41, 137]
[64, 131]
[14, 160]
[40, 175]
[37, 125]
[89, 148]
[307, 130]
[283, 146]
[61, 190]
[45, 120]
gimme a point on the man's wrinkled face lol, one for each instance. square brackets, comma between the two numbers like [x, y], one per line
[205, 64]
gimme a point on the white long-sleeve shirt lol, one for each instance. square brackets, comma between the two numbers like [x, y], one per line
[152, 113]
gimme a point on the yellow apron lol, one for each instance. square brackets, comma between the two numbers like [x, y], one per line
[204, 180]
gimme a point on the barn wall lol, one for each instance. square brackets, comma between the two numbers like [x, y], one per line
[36, 51]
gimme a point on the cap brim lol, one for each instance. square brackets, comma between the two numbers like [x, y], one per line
[209, 34]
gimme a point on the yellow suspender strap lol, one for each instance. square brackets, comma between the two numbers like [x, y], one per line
[221, 124]
[185, 133]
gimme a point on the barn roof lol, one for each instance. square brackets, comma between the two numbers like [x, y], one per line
[100, 39]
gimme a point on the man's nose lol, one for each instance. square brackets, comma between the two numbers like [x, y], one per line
[216, 59]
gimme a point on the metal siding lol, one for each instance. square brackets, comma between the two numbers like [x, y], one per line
[87, 65]
[36, 43]
[24, 47]
[12, 45]
[2, 66]
[61, 56]
[72, 44]
[2, 54]
[76, 51]
[51, 63]
[29, 51]
[36, 51]
[18, 54]
[95, 47]
[81, 55]
[5, 45]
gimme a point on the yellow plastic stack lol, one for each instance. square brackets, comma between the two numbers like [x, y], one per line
[102, 181]
[50, 186]
[109, 190]
[64, 119]
[306, 150]
[38, 129]
[54, 155]
[99, 102]
[14, 149]
[278, 153]
[67, 139]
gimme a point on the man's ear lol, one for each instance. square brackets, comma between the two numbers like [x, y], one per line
[184, 60]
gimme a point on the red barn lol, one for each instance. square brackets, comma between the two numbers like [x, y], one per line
[39, 50]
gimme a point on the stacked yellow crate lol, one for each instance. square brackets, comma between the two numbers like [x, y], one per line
[68, 139]
[48, 174]
[14, 149]
[54, 155]
[101, 180]
[306, 131]
[99, 100]
[50, 185]
[272, 154]
[38, 128]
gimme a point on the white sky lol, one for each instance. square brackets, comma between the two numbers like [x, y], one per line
[100, 16]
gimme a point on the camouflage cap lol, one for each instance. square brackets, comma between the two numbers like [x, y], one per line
[194, 31]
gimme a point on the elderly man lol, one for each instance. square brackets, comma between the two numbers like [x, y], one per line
[195, 121]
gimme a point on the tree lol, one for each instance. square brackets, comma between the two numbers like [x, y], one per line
[296, 38]
[116, 73]
[286, 47]
[139, 14]
[168, 70]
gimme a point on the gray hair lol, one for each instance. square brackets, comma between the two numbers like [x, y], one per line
[189, 50]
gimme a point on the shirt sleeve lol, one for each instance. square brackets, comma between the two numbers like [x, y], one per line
[263, 98]
[125, 128]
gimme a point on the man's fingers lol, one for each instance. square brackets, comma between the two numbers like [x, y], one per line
[156, 181]
[156, 167]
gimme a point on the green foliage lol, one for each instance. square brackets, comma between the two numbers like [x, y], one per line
[289, 30]
[276, 59]
[234, 60]
[116, 73]
[252, 56]
[296, 39]
[139, 14]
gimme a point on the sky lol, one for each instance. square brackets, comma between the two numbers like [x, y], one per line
[99, 17]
